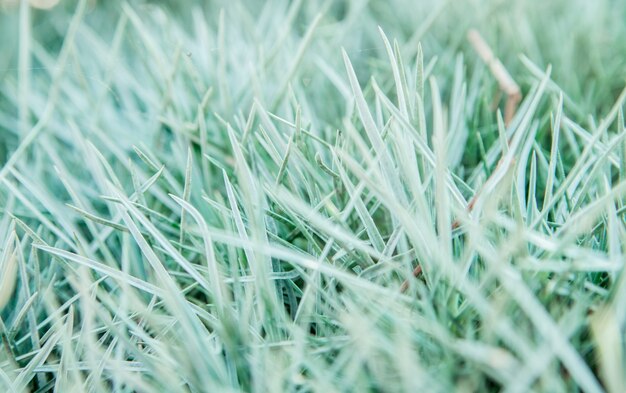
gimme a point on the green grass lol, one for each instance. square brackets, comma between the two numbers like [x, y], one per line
[228, 197]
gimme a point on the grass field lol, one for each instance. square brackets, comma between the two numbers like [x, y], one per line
[235, 196]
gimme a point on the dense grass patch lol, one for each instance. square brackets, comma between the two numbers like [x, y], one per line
[230, 196]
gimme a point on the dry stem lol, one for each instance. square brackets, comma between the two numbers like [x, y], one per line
[506, 82]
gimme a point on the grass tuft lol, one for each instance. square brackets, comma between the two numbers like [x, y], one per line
[287, 196]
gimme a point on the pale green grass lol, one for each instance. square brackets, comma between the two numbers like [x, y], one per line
[228, 197]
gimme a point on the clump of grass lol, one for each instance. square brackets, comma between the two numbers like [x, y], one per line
[229, 198]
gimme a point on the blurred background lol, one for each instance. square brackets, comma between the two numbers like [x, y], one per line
[124, 55]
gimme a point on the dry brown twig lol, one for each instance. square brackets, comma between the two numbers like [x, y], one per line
[405, 284]
[514, 96]
[506, 82]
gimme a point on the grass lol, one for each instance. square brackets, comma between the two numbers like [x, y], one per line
[229, 197]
